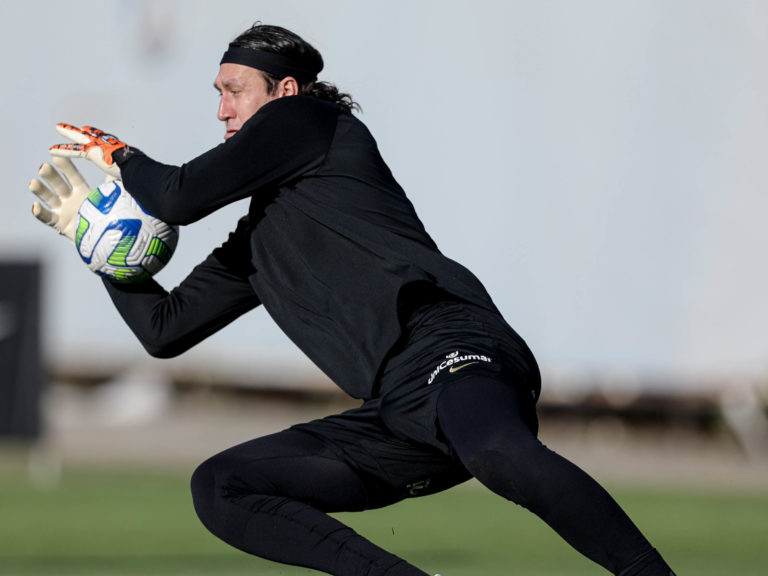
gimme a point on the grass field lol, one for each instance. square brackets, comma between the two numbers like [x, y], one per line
[134, 523]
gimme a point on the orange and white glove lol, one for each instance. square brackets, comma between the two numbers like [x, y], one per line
[61, 198]
[89, 143]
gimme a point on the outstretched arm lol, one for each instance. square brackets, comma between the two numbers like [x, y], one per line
[282, 142]
[215, 293]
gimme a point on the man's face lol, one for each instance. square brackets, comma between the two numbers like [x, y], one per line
[243, 91]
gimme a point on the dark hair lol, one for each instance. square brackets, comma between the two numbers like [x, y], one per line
[277, 40]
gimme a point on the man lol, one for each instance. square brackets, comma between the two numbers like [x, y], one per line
[334, 251]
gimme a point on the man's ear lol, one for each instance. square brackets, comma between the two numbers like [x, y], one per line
[288, 86]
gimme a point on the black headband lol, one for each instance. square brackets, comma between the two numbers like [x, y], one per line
[276, 64]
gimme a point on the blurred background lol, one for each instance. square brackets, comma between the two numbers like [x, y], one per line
[601, 166]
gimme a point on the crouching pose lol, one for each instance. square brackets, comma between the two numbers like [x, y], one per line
[333, 249]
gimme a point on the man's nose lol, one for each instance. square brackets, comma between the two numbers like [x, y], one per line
[225, 109]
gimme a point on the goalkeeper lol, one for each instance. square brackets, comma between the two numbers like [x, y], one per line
[333, 249]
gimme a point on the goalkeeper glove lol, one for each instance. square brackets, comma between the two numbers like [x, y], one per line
[61, 198]
[92, 144]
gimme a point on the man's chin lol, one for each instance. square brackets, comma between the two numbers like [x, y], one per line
[229, 134]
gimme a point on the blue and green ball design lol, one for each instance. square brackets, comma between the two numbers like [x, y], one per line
[118, 239]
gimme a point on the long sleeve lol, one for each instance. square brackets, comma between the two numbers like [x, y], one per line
[284, 140]
[332, 240]
[215, 293]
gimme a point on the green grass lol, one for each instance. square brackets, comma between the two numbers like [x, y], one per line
[132, 523]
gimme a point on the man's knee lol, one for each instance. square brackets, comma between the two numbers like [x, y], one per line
[203, 487]
[495, 471]
[514, 473]
[226, 478]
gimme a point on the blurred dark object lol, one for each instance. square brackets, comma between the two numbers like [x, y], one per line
[21, 370]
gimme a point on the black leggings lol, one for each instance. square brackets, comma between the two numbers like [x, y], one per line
[269, 496]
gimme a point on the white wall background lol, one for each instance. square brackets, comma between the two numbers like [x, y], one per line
[600, 165]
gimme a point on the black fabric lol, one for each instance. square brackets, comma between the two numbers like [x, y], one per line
[256, 496]
[420, 436]
[214, 294]
[486, 421]
[330, 236]
[334, 251]
[392, 468]
[275, 64]
[444, 342]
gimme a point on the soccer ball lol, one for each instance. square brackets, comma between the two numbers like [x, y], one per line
[118, 239]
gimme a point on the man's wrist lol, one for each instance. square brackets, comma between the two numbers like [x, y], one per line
[123, 155]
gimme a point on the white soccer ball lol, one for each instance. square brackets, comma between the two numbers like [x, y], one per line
[117, 238]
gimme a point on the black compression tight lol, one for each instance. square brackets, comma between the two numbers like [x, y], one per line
[269, 496]
[497, 447]
[266, 498]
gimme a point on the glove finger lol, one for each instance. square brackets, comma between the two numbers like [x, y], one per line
[44, 193]
[72, 132]
[92, 131]
[69, 150]
[70, 172]
[100, 137]
[60, 186]
[44, 215]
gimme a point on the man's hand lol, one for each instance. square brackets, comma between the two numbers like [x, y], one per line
[61, 198]
[90, 143]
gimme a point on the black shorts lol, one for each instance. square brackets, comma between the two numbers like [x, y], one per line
[394, 439]
[450, 342]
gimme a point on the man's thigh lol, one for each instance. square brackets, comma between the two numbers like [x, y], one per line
[390, 468]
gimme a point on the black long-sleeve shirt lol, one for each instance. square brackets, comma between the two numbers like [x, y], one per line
[329, 242]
